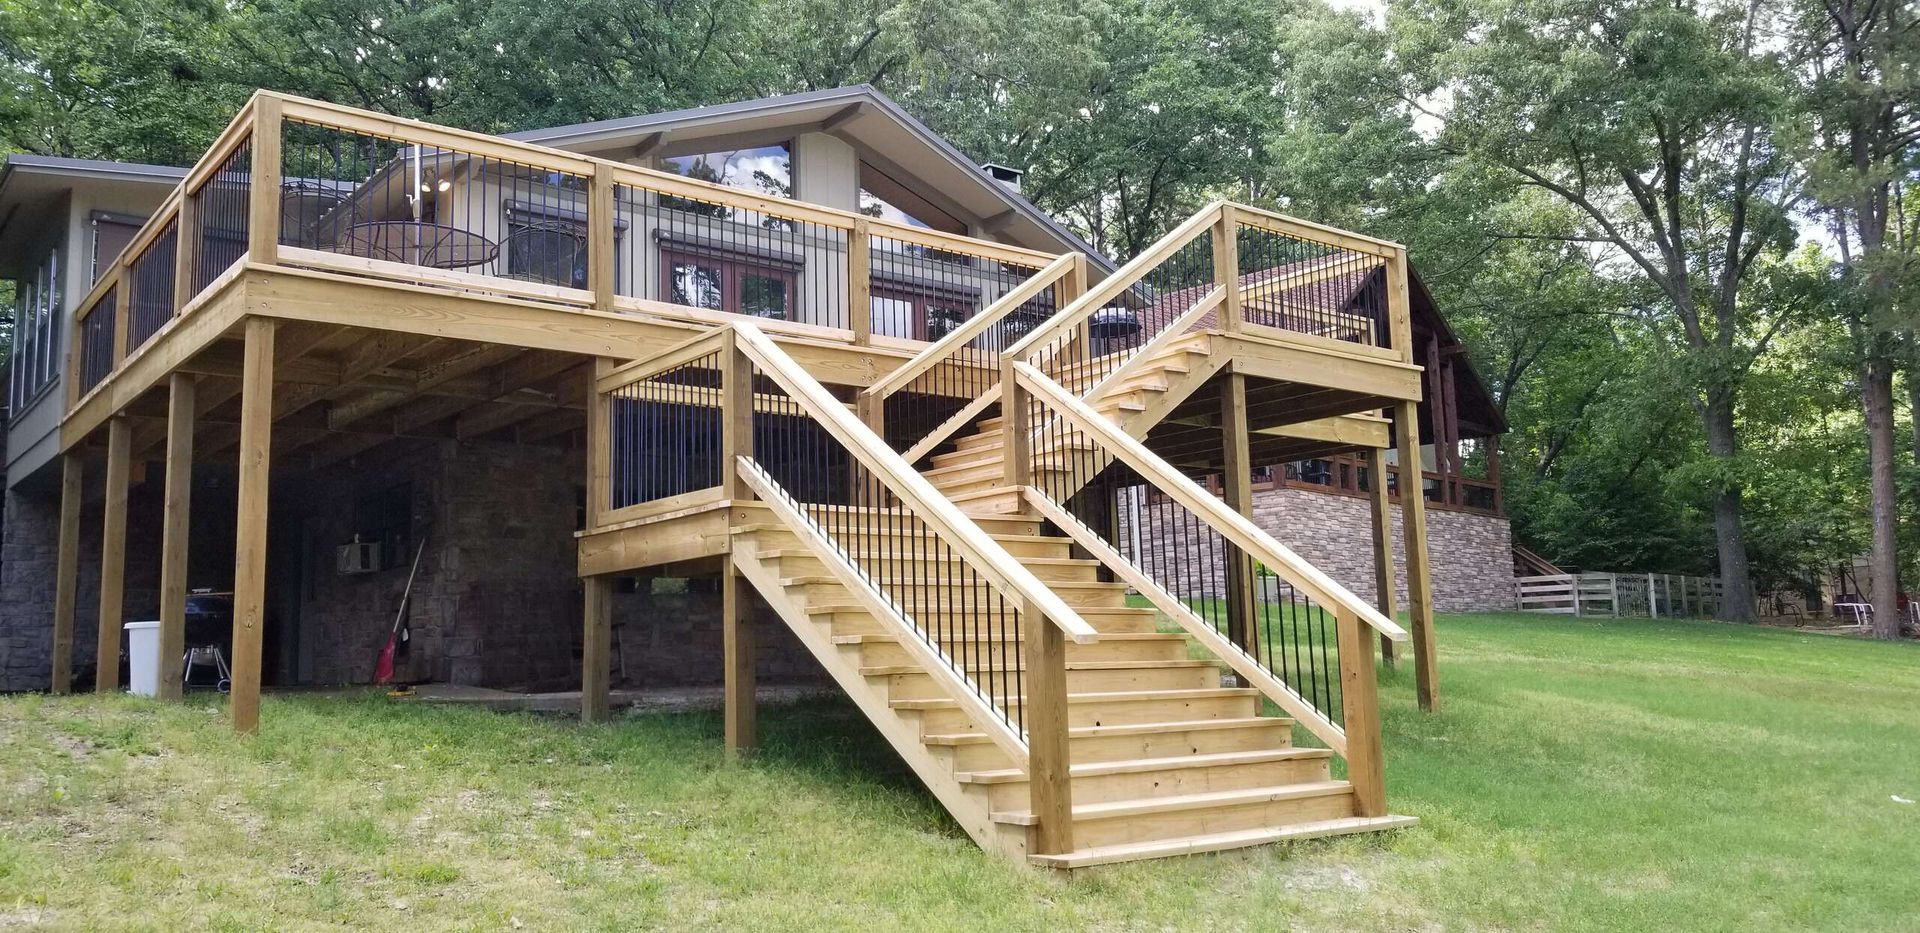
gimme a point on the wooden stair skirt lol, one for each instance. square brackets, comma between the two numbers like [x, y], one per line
[1166, 761]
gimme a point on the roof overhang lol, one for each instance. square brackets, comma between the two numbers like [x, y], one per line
[33, 189]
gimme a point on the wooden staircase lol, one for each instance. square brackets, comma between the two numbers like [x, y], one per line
[973, 474]
[1166, 759]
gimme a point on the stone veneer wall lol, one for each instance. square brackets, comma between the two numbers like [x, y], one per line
[1471, 554]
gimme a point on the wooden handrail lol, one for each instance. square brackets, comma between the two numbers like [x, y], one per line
[935, 661]
[985, 555]
[973, 327]
[1243, 663]
[692, 348]
[1114, 285]
[1236, 528]
[1287, 225]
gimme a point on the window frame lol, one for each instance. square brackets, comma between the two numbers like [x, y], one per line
[734, 270]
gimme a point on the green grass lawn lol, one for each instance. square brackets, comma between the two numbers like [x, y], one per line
[1583, 775]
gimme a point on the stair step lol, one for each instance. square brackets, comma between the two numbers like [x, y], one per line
[898, 669]
[1220, 842]
[1128, 696]
[1169, 637]
[1128, 729]
[1142, 765]
[1184, 803]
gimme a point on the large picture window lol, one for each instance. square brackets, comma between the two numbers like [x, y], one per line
[760, 169]
[36, 339]
[734, 284]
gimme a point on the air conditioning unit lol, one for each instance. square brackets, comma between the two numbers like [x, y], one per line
[358, 556]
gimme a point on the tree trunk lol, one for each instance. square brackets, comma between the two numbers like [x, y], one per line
[1876, 399]
[1729, 529]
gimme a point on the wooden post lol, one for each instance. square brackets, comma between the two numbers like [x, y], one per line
[1226, 267]
[263, 208]
[1016, 428]
[1049, 757]
[1360, 705]
[66, 574]
[599, 444]
[742, 731]
[122, 314]
[1653, 604]
[603, 267]
[736, 412]
[113, 555]
[1237, 484]
[860, 281]
[1413, 522]
[174, 527]
[1383, 570]
[250, 535]
[596, 648]
[184, 241]
[1399, 305]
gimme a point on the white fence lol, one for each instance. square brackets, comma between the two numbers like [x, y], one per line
[1620, 594]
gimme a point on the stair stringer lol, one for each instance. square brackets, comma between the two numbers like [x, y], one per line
[902, 732]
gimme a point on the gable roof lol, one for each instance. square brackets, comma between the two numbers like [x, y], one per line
[882, 131]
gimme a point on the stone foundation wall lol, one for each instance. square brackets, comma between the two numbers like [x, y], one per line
[1471, 554]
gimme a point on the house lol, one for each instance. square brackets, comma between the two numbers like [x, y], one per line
[780, 390]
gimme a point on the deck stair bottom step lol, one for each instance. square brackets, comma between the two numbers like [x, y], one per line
[1219, 842]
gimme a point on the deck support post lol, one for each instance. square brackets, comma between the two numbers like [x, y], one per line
[1226, 267]
[1413, 520]
[1237, 480]
[1049, 758]
[66, 574]
[174, 527]
[113, 555]
[1360, 704]
[596, 647]
[741, 708]
[1384, 583]
[250, 538]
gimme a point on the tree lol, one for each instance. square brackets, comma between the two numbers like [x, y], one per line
[1859, 68]
[1654, 121]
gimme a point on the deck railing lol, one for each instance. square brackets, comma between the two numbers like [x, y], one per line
[742, 420]
[303, 183]
[1282, 625]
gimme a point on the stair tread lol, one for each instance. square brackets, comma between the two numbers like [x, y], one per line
[889, 669]
[1137, 765]
[1137, 806]
[806, 579]
[943, 558]
[1198, 693]
[1219, 842]
[1125, 729]
[1104, 637]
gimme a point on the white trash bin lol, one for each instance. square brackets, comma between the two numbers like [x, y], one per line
[143, 658]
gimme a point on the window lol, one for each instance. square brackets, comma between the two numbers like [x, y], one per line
[111, 234]
[36, 335]
[386, 517]
[729, 283]
[760, 169]
[919, 313]
[887, 199]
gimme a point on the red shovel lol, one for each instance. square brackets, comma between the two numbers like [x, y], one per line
[383, 668]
